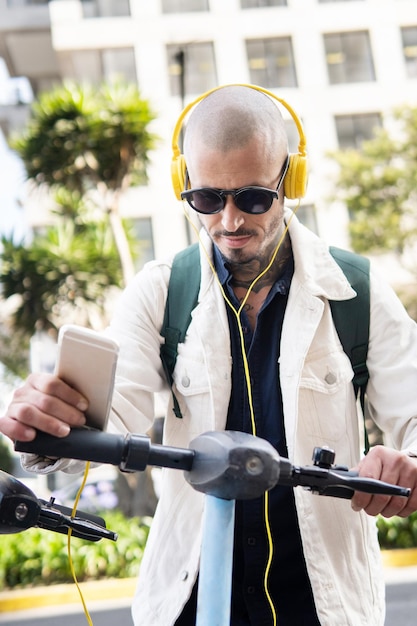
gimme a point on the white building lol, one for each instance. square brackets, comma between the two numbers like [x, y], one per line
[341, 64]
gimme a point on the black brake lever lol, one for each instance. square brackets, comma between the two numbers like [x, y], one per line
[326, 479]
[20, 509]
[339, 483]
[83, 525]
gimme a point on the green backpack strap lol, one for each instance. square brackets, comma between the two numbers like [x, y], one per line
[351, 319]
[183, 288]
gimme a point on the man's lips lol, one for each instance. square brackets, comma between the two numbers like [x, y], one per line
[235, 241]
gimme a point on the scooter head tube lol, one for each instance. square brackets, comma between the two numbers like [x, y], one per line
[233, 465]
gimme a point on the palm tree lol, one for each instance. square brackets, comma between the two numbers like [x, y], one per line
[64, 274]
[92, 142]
[85, 146]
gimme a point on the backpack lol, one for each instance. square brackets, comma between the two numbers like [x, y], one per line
[351, 317]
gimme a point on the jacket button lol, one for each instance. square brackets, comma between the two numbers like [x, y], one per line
[330, 378]
[185, 381]
[184, 575]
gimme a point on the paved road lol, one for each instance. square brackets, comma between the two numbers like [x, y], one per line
[401, 611]
[102, 614]
[401, 604]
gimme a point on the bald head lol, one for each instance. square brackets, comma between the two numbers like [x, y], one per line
[229, 118]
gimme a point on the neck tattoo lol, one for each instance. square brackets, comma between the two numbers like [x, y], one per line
[243, 277]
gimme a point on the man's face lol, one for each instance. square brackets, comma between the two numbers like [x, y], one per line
[242, 238]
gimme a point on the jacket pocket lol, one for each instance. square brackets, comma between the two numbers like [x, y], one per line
[190, 376]
[191, 388]
[326, 397]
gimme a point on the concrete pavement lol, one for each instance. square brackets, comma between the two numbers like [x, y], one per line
[111, 600]
[68, 595]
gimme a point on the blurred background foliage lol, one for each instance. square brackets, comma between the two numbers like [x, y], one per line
[37, 557]
[82, 148]
[378, 184]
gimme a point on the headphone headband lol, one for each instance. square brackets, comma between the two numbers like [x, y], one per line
[295, 182]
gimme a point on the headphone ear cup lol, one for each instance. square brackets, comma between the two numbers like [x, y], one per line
[178, 171]
[295, 183]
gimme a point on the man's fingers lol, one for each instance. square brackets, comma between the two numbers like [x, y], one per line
[43, 403]
[15, 430]
[50, 385]
[393, 467]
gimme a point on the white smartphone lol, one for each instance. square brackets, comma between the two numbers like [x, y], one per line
[87, 361]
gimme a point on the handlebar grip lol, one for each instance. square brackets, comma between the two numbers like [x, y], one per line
[129, 452]
[81, 443]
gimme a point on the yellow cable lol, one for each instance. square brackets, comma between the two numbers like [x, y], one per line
[270, 556]
[237, 314]
[71, 564]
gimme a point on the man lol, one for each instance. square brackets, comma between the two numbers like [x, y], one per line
[277, 368]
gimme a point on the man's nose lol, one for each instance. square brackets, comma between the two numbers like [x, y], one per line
[232, 217]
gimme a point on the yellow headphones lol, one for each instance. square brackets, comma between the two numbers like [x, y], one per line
[295, 182]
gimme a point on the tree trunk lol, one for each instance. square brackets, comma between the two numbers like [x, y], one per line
[122, 244]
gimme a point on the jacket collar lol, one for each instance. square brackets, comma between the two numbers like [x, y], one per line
[314, 267]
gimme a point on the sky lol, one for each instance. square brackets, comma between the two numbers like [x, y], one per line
[12, 221]
[12, 174]
[12, 178]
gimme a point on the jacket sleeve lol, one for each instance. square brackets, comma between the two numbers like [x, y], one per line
[139, 375]
[136, 325]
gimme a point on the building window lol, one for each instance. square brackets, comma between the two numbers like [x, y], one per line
[409, 37]
[97, 65]
[325, 1]
[143, 233]
[256, 4]
[191, 68]
[12, 4]
[184, 6]
[119, 63]
[291, 131]
[349, 57]
[271, 62]
[105, 8]
[4, 127]
[352, 130]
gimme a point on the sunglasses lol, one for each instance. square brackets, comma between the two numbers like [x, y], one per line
[254, 200]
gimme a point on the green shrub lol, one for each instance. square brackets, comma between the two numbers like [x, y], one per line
[40, 557]
[397, 532]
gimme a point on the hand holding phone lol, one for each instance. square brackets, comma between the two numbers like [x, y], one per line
[87, 361]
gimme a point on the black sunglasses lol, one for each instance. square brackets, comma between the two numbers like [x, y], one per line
[254, 200]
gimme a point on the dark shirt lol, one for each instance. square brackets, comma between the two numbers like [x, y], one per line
[288, 582]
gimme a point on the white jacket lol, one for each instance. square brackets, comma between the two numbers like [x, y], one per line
[340, 545]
